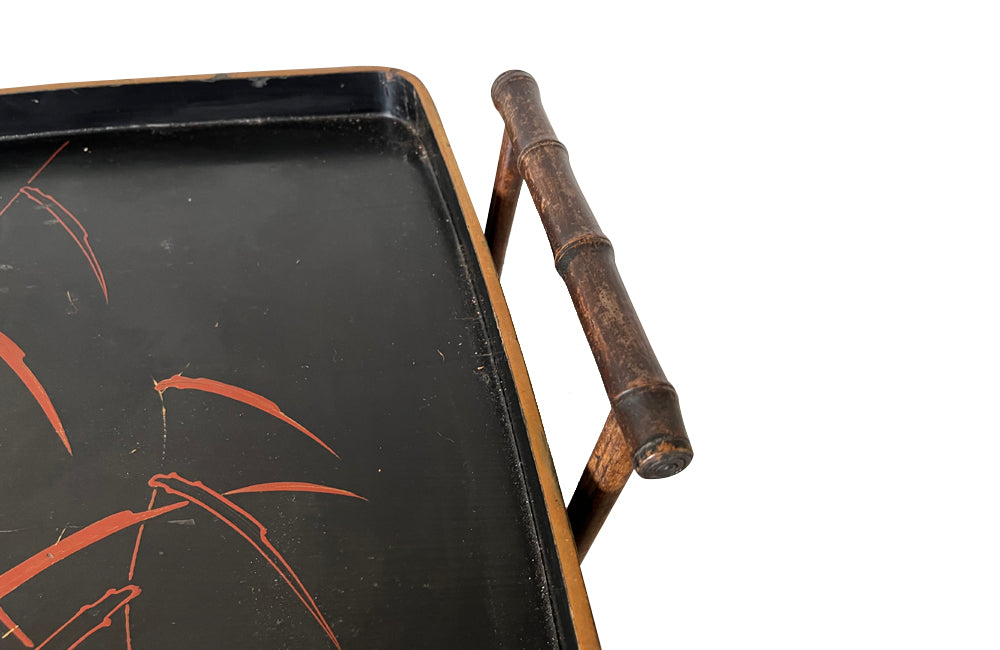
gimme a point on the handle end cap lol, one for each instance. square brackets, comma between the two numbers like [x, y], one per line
[661, 458]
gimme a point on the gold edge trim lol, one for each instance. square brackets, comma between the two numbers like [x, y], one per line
[583, 618]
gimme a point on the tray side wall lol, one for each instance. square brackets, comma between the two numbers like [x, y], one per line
[579, 604]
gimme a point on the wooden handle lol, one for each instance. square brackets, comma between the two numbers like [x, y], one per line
[643, 402]
[604, 478]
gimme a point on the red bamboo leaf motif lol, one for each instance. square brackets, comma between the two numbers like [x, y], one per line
[240, 395]
[293, 487]
[126, 594]
[67, 220]
[95, 532]
[15, 629]
[248, 527]
[13, 356]
[34, 176]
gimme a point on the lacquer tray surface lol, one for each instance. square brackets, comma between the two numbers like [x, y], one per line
[252, 391]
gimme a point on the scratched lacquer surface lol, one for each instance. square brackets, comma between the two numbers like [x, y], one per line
[250, 398]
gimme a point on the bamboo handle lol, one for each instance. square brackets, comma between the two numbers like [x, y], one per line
[643, 402]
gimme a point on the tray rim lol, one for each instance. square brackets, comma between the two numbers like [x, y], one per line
[555, 506]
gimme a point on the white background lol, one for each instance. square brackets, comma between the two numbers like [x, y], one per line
[803, 198]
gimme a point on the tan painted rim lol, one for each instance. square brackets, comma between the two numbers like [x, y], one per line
[579, 603]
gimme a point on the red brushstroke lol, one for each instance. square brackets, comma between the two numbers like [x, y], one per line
[11, 202]
[131, 572]
[129, 593]
[128, 626]
[138, 538]
[240, 395]
[95, 532]
[239, 519]
[58, 212]
[248, 527]
[292, 487]
[13, 356]
[46, 163]
[15, 629]
[34, 176]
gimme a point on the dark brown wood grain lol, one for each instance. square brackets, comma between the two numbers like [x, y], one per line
[506, 189]
[604, 478]
[644, 404]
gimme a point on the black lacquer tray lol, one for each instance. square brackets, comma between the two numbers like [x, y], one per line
[253, 390]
